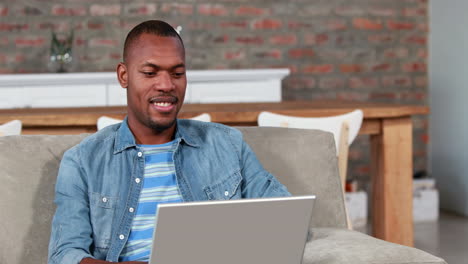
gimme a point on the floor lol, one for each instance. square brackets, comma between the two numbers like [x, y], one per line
[447, 238]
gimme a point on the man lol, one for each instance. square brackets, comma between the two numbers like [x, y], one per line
[109, 185]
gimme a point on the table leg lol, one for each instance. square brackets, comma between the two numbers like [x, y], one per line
[392, 181]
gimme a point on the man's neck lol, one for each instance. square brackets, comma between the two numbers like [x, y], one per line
[148, 136]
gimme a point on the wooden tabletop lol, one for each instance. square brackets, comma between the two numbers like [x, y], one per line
[227, 113]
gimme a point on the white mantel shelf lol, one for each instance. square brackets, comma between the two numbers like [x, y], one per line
[102, 88]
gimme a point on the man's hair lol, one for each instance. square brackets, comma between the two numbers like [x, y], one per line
[153, 27]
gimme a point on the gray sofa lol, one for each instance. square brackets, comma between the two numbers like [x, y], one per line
[303, 160]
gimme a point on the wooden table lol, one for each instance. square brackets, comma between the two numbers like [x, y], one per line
[389, 126]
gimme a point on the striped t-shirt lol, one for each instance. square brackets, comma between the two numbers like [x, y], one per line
[159, 186]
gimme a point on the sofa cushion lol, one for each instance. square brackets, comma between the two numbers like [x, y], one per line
[28, 169]
[338, 246]
[304, 160]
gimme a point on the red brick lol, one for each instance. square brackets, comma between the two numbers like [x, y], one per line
[295, 82]
[316, 10]
[29, 41]
[234, 55]
[177, 8]
[353, 10]
[398, 25]
[289, 39]
[196, 25]
[382, 11]
[115, 56]
[4, 41]
[250, 40]
[413, 96]
[233, 25]
[5, 71]
[331, 83]
[381, 38]
[3, 58]
[20, 58]
[13, 27]
[95, 26]
[3, 11]
[423, 27]
[140, 9]
[398, 81]
[316, 39]
[351, 68]
[55, 26]
[63, 10]
[301, 52]
[221, 39]
[251, 11]
[336, 24]
[425, 138]
[267, 24]
[319, 68]
[297, 25]
[80, 42]
[29, 11]
[367, 24]
[352, 96]
[382, 67]
[103, 42]
[414, 12]
[333, 54]
[420, 81]
[273, 54]
[414, 67]
[419, 40]
[363, 82]
[105, 10]
[380, 96]
[396, 53]
[212, 10]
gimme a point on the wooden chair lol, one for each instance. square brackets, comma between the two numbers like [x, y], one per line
[344, 128]
[104, 121]
[11, 128]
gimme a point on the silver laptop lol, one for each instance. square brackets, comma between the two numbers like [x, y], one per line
[257, 231]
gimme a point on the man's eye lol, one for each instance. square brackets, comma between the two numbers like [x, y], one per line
[149, 73]
[179, 74]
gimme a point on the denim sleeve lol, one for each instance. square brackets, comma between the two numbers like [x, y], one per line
[71, 228]
[258, 182]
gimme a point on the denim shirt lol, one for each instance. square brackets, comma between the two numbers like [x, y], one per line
[100, 180]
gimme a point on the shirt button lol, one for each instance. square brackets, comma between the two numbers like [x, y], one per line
[137, 180]
[131, 209]
[226, 193]
[104, 199]
[121, 237]
[140, 154]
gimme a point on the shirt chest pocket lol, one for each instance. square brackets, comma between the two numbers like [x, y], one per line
[227, 189]
[102, 217]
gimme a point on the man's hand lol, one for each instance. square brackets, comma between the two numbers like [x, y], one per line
[97, 261]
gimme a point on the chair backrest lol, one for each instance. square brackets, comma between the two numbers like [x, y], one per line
[331, 124]
[11, 128]
[104, 121]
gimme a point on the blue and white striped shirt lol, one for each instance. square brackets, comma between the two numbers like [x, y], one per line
[159, 186]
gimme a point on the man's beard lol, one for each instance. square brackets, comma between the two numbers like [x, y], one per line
[159, 127]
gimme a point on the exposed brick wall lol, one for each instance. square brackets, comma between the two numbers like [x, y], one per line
[362, 50]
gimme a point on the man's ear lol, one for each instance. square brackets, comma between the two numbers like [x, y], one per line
[122, 75]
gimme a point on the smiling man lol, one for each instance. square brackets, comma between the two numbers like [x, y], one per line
[110, 185]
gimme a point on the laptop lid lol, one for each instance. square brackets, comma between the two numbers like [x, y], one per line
[267, 230]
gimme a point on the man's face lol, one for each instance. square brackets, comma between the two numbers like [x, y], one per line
[154, 75]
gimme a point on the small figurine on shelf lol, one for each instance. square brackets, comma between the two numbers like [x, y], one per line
[60, 59]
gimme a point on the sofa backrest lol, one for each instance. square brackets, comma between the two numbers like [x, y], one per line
[303, 160]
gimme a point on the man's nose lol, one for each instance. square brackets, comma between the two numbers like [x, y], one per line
[164, 81]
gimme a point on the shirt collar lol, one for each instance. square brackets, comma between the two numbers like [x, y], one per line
[125, 139]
